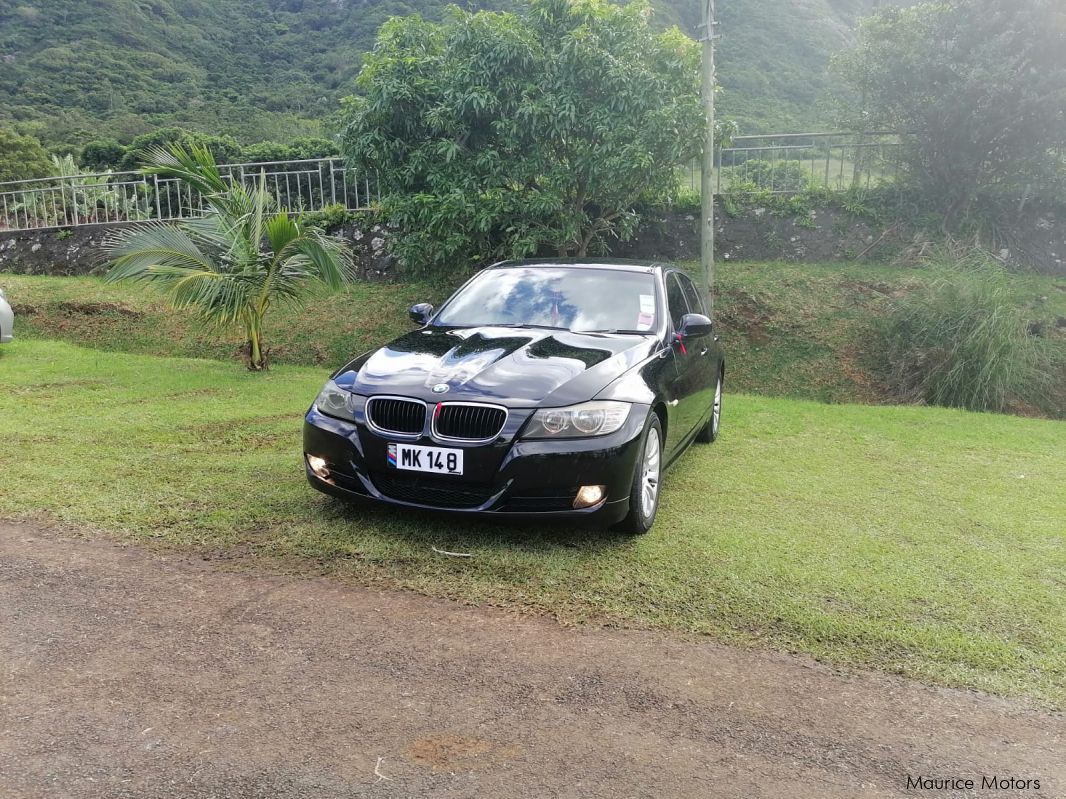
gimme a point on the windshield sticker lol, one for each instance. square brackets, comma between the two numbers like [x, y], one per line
[646, 318]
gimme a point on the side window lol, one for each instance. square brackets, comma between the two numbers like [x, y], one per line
[695, 301]
[675, 300]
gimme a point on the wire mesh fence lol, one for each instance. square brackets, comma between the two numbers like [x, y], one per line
[787, 163]
[115, 197]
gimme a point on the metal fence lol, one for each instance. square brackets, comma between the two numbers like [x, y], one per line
[114, 197]
[787, 163]
[779, 163]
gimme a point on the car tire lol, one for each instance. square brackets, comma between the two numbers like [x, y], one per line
[708, 434]
[647, 477]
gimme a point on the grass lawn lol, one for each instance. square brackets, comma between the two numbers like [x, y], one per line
[921, 541]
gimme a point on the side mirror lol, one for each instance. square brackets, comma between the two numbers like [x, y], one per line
[420, 314]
[695, 325]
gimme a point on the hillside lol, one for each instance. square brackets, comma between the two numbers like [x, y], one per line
[773, 60]
[808, 331]
[72, 71]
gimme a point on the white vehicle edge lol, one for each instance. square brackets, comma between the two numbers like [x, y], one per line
[7, 320]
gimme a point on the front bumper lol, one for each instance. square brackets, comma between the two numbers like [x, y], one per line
[513, 478]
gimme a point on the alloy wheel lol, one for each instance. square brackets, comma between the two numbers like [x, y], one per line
[716, 412]
[650, 473]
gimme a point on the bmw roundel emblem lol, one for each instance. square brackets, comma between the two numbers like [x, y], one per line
[440, 388]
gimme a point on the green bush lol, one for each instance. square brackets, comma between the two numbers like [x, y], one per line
[102, 154]
[685, 200]
[224, 149]
[758, 174]
[298, 149]
[962, 341]
[329, 219]
[22, 157]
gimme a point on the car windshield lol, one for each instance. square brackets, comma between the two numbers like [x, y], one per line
[582, 300]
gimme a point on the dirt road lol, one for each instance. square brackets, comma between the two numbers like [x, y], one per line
[126, 673]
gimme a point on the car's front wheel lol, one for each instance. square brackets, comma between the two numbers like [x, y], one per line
[647, 478]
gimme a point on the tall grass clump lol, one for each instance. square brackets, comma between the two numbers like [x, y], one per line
[962, 341]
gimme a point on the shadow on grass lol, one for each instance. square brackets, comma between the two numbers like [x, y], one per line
[456, 531]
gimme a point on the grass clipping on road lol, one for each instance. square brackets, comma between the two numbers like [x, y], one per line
[920, 541]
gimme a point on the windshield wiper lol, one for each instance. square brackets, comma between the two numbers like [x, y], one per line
[522, 324]
[619, 330]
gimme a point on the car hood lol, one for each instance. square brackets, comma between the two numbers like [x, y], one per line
[512, 366]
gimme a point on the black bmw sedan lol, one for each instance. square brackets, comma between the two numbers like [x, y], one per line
[540, 388]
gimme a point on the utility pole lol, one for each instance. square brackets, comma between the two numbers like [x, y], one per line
[707, 169]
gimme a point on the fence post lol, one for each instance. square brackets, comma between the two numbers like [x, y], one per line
[63, 203]
[158, 203]
[859, 164]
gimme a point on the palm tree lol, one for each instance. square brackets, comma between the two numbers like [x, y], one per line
[238, 260]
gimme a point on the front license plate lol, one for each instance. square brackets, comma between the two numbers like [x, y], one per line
[437, 460]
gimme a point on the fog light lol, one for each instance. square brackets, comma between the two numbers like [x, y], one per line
[587, 496]
[318, 466]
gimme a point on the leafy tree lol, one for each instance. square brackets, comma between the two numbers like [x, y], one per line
[298, 149]
[235, 263]
[223, 149]
[499, 134]
[22, 157]
[102, 154]
[980, 83]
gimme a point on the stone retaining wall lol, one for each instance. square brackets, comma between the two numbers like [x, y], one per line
[1037, 243]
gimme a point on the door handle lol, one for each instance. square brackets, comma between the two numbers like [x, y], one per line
[704, 351]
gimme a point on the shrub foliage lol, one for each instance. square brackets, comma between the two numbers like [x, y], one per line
[963, 341]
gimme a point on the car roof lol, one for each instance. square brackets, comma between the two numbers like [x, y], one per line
[625, 264]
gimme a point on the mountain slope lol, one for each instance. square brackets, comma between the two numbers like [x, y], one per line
[71, 70]
[773, 58]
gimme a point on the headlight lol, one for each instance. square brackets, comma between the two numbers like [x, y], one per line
[597, 418]
[335, 401]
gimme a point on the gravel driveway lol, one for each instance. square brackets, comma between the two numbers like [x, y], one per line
[129, 673]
